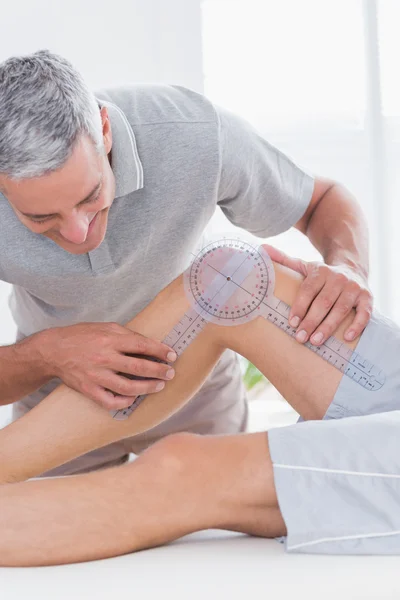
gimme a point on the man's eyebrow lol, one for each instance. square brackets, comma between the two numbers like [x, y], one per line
[92, 193]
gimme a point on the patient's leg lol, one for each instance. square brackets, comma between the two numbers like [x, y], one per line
[181, 484]
[66, 424]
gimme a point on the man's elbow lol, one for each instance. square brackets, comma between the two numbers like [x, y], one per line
[322, 187]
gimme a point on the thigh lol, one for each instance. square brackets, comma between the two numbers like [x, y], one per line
[304, 379]
[380, 345]
[229, 474]
[230, 477]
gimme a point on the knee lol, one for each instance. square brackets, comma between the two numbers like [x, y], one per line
[174, 455]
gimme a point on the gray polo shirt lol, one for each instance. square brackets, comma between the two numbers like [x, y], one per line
[175, 157]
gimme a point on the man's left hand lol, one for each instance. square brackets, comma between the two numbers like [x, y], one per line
[325, 298]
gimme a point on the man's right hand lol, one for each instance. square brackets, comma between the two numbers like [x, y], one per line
[92, 357]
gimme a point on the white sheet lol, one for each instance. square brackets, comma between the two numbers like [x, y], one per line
[207, 566]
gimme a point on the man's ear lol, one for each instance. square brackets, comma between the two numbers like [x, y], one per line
[107, 133]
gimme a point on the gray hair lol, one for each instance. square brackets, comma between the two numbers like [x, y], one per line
[45, 105]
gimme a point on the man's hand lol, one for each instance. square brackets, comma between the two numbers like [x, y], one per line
[91, 357]
[325, 298]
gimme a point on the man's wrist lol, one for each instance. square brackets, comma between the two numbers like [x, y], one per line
[348, 262]
[36, 352]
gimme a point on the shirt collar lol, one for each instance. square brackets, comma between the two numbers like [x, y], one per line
[126, 164]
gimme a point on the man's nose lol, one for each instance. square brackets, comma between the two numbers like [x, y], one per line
[75, 229]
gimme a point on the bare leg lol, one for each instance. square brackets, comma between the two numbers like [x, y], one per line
[66, 424]
[181, 484]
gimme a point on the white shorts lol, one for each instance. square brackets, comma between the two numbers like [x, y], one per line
[338, 480]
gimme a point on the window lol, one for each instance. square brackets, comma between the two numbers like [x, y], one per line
[308, 75]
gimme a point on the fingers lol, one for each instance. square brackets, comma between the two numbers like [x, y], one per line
[118, 384]
[139, 344]
[325, 298]
[363, 315]
[144, 368]
[105, 398]
[105, 393]
[308, 290]
[136, 377]
[318, 328]
[110, 401]
[287, 261]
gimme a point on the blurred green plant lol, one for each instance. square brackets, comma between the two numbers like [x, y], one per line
[252, 375]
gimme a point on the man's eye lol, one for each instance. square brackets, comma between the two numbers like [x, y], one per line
[92, 200]
[38, 221]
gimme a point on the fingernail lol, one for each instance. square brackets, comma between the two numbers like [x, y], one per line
[171, 356]
[295, 321]
[160, 386]
[317, 338]
[301, 336]
[350, 335]
[170, 373]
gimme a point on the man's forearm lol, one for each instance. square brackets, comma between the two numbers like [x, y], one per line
[22, 369]
[338, 229]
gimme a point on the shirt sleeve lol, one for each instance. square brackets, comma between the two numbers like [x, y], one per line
[260, 189]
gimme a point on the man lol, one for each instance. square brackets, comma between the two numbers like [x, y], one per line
[103, 199]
